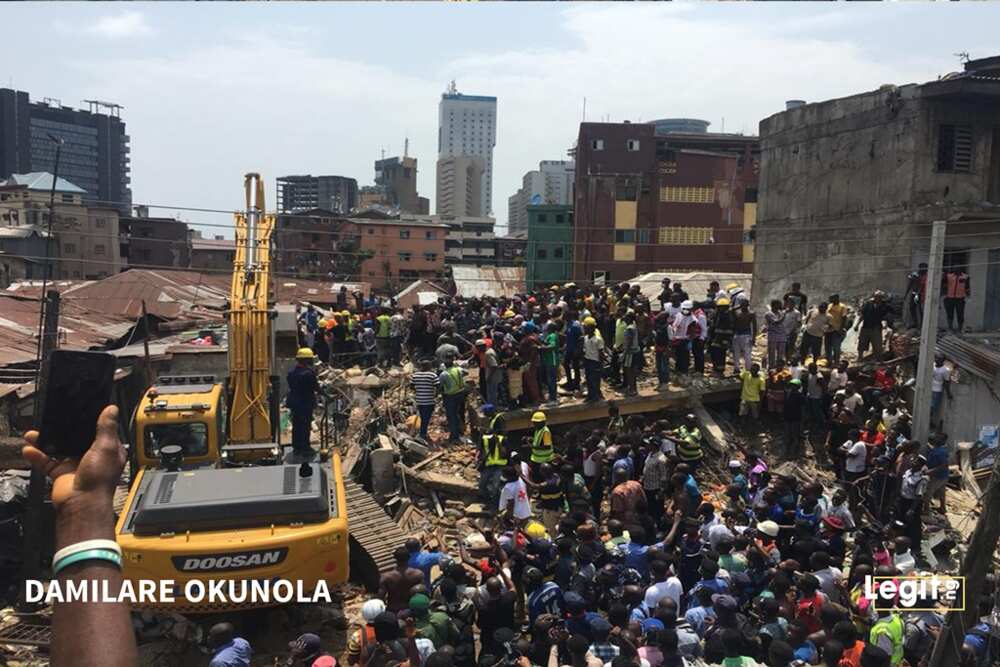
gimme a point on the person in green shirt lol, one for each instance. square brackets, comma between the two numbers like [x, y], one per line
[550, 360]
[382, 342]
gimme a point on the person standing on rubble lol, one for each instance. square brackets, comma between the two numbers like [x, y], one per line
[593, 359]
[301, 399]
[493, 457]
[542, 450]
[452, 380]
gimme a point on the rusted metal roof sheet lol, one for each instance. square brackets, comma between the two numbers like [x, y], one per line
[978, 359]
[492, 281]
[79, 327]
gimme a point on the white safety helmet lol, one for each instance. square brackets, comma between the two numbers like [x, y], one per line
[687, 305]
[371, 609]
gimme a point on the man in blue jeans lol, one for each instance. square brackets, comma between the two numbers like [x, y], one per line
[425, 389]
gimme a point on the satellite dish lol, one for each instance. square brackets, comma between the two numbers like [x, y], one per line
[536, 200]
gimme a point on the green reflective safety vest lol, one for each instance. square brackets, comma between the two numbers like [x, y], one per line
[540, 451]
[493, 450]
[689, 447]
[893, 628]
[452, 383]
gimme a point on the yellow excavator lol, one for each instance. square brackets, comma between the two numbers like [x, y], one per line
[213, 495]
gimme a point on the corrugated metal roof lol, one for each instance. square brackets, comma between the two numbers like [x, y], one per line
[978, 359]
[492, 281]
[168, 294]
[41, 180]
[695, 283]
[420, 292]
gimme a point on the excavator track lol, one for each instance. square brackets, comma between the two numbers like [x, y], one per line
[373, 534]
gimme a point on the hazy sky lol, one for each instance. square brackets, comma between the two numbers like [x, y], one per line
[213, 90]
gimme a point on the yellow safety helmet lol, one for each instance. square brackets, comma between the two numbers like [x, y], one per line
[508, 314]
[305, 353]
[345, 313]
[535, 530]
[722, 302]
[732, 286]
[590, 321]
[537, 418]
[322, 323]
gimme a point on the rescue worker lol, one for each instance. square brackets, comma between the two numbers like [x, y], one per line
[887, 634]
[301, 400]
[541, 444]
[689, 442]
[492, 457]
[721, 331]
[452, 380]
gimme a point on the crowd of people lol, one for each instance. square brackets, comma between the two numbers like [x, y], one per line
[613, 545]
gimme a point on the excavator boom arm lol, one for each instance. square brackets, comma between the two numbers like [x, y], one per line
[250, 353]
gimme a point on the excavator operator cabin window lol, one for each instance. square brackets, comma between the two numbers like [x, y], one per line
[191, 437]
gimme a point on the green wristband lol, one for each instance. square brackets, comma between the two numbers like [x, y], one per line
[90, 554]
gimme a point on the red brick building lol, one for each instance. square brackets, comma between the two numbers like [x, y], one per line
[646, 202]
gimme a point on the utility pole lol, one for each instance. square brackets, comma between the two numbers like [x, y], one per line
[977, 562]
[928, 335]
[37, 527]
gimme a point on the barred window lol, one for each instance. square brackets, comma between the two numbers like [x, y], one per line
[685, 235]
[687, 195]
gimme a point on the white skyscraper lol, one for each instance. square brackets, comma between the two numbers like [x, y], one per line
[467, 127]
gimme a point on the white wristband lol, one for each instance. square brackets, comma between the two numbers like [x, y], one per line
[87, 545]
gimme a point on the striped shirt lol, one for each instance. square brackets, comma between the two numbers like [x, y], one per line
[425, 385]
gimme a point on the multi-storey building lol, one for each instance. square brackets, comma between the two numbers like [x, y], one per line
[549, 254]
[94, 154]
[467, 128]
[86, 243]
[645, 202]
[303, 193]
[459, 181]
[151, 243]
[396, 252]
[396, 177]
[551, 183]
[849, 189]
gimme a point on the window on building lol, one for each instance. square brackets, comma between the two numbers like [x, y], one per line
[559, 217]
[430, 256]
[100, 223]
[750, 196]
[542, 217]
[69, 248]
[67, 199]
[624, 236]
[404, 233]
[642, 236]
[76, 274]
[370, 231]
[314, 238]
[597, 144]
[98, 249]
[557, 252]
[687, 195]
[429, 235]
[405, 256]
[631, 145]
[541, 253]
[684, 236]
[145, 254]
[954, 148]
[626, 188]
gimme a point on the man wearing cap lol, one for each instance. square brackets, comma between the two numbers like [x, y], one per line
[493, 456]
[307, 651]
[542, 450]
[767, 541]
[301, 400]
[792, 411]
[435, 626]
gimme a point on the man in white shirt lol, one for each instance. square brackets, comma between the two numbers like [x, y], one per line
[853, 401]
[856, 453]
[829, 577]
[514, 495]
[838, 378]
[940, 385]
[665, 584]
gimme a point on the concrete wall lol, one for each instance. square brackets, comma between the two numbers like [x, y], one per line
[973, 406]
[848, 188]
